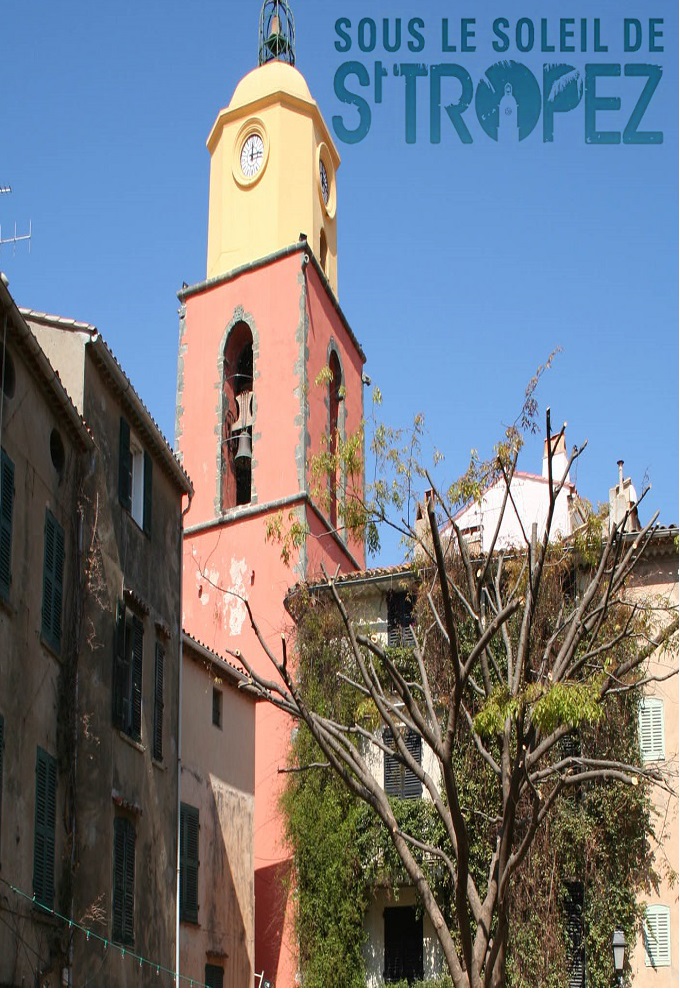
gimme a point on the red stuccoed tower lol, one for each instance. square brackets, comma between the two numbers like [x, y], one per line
[269, 372]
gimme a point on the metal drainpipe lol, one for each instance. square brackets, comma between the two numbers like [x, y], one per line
[179, 738]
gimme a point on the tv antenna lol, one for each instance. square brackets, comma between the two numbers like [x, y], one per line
[17, 237]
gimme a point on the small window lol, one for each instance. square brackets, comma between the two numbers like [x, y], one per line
[53, 582]
[7, 376]
[57, 453]
[45, 821]
[403, 944]
[399, 780]
[188, 864]
[217, 707]
[657, 936]
[576, 946]
[159, 670]
[214, 976]
[6, 515]
[135, 476]
[400, 619]
[651, 724]
[127, 673]
[2, 767]
[123, 908]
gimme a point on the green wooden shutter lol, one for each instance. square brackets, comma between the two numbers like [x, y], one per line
[2, 765]
[53, 582]
[148, 485]
[136, 677]
[120, 670]
[188, 863]
[123, 907]
[412, 788]
[6, 512]
[45, 821]
[125, 466]
[399, 780]
[158, 703]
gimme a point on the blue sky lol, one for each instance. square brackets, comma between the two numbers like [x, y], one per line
[461, 266]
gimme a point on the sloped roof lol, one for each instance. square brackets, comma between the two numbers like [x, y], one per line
[108, 363]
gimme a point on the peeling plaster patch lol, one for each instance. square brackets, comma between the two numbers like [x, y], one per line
[233, 605]
[205, 582]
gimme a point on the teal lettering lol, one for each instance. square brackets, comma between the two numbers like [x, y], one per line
[347, 97]
[595, 103]
[630, 133]
[344, 42]
[454, 111]
[503, 43]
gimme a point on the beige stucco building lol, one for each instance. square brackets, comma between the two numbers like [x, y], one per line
[91, 668]
[217, 895]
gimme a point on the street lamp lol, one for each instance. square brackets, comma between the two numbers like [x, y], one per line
[618, 952]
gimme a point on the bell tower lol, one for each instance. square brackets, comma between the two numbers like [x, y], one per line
[273, 162]
[269, 374]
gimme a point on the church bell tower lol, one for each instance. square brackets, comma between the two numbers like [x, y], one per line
[269, 374]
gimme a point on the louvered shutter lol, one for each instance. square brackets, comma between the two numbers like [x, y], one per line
[403, 936]
[400, 619]
[399, 780]
[148, 486]
[123, 907]
[136, 677]
[125, 466]
[657, 936]
[576, 951]
[158, 703]
[651, 724]
[6, 514]
[2, 761]
[189, 864]
[413, 788]
[53, 580]
[120, 671]
[45, 821]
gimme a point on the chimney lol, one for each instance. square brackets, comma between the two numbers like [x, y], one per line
[622, 499]
[558, 446]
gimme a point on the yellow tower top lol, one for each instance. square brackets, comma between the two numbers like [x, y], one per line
[273, 169]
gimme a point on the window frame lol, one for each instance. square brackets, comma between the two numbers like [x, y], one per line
[217, 707]
[652, 729]
[399, 781]
[44, 828]
[400, 958]
[214, 976]
[54, 557]
[123, 881]
[400, 619]
[128, 673]
[135, 478]
[189, 862]
[6, 522]
[657, 911]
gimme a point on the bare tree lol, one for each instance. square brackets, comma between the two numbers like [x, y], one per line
[509, 663]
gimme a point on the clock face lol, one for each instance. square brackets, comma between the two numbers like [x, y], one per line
[325, 186]
[252, 154]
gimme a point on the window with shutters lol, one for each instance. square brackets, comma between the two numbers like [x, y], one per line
[6, 513]
[217, 707]
[403, 944]
[651, 727]
[135, 477]
[123, 905]
[399, 780]
[656, 931]
[127, 673]
[2, 768]
[576, 946]
[158, 683]
[214, 976]
[53, 582]
[400, 619]
[43, 835]
[188, 864]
